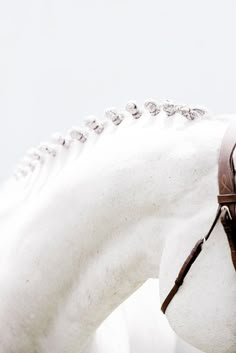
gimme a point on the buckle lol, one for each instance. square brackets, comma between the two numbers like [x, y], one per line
[225, 212]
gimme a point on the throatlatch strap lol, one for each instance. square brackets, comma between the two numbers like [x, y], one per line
[188, 263]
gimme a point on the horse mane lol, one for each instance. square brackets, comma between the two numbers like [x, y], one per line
[33, 156]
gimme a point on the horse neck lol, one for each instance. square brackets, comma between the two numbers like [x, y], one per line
[114, 217]
[136, 182]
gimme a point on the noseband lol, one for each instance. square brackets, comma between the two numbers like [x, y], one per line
[226, 210]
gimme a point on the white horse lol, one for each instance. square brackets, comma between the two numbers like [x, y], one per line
[90, 217]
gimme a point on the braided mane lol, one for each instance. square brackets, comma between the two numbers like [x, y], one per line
[34, 156]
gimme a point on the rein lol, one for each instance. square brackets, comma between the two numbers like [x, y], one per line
[226, 210]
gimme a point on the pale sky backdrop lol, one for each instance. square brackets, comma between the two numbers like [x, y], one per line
[62, 60]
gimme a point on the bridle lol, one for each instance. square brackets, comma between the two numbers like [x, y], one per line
[226, 210]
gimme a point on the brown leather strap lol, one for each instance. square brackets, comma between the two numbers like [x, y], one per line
[227, 188]
[188, 263]
[226, 209]
[227, 198]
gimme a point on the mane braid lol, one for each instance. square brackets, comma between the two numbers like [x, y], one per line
[36, 155]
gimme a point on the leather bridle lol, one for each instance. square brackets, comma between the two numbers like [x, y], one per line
[226, 210]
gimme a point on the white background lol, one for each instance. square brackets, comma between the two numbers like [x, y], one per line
[62, 60]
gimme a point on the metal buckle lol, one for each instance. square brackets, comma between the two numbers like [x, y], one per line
[225, 210]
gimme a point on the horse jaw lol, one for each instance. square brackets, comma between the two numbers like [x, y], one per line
[203, 312]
